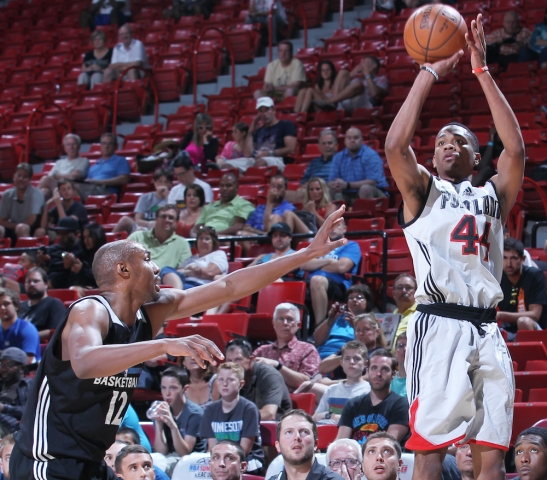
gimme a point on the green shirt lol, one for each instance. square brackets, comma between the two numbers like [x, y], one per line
[170, 253]
[221, 216]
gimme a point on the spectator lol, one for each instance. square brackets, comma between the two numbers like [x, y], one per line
[284, 76]
[58, 260]
[184, 170]
[105, 12]
[380, 410]
[95, 61]
[398, 384]
[73, 167]
[353, 361]
[404, 288]
[128, 53]
[134, 462]
[344, 457]
[296, 436]
[21, 206]
[327, 274]
[323, 89]
[296, 361]
[13, 388]
[177, 422]
[270, 141]
[531, 454]
[227, 461]
[194, 199]
[199, 269]
[12, 276]
[338, 328]
[147, 205]
[233, 417]
[15, 331]
[464, 462]
[382, 457]
[130, 425]
[182, 8]
[357, 171]
[200, 144]
[264, 385]
[524, 292]
[508, 44]
[235, 148]
[538, 42]
[109, 173]
[360, 88]
[5, 453]
[166, 248]
[44, 312]
[60, 205]
[200, 388]
[259, 11]
[227, 215]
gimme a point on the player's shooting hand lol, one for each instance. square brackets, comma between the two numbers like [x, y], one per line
[321, 244]
[476, 42]
[445, 66]
[195, 346]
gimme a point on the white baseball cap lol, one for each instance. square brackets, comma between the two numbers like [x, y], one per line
[264, 102]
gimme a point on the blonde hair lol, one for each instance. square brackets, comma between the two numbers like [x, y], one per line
[234, 367]
[371, 318]
[326, 200]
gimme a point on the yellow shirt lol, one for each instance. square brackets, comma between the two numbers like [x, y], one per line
[403, 323]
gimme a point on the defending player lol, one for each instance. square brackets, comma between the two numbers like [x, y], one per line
[459, 373]
[79, 397]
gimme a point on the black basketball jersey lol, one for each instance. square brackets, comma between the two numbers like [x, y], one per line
[66, 416]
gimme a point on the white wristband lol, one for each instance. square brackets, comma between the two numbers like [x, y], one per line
[430, 70]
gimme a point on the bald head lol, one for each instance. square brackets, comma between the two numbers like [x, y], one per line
[108, 256]
[511, 23]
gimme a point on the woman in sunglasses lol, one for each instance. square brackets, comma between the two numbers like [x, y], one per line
[200, 143]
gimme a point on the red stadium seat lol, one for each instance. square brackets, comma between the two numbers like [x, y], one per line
[526, 415]
[304, 401]
[525, 351]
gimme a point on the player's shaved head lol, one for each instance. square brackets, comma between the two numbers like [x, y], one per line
[110, 254]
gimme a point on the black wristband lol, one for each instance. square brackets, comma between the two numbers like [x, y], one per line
[279, 366]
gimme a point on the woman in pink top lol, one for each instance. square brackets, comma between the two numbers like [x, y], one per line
[234, 149]
[200, 143]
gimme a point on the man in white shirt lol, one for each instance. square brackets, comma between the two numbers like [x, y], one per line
[129, 52]
[183, 170]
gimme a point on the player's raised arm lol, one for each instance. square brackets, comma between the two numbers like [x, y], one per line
[511, 161]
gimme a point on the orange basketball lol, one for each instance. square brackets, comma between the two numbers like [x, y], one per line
[434, 32]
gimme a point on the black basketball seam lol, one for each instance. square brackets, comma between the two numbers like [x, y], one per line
[450, 37]
[431, 33]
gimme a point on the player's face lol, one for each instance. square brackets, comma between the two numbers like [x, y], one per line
[454, 155]
[380, 460]
[6, 454]
[171, 390]
[327, 146]
[137, 466]
[281, 241]
[166, 221]
[464, 460]
[225, 463]
[110, 455]
[285, 324]
[7, 309]
[146, 275]
[380, 373]
[353, 363]
[296, 441]
[228, 384]
[531, 458]
[512, 263]
[341, 455]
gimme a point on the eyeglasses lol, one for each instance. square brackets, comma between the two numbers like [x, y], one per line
[164, 216]
[180, 174]
[290, 321]
[407, 288]
[400, 346]
[239, 342]
[349, 462]
[207, 228]
[356, 298]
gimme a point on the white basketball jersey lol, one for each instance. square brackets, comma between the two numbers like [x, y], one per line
[456, 242]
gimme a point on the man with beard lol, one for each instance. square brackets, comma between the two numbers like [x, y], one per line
[227, 461]
[296, 435]
[42, 311]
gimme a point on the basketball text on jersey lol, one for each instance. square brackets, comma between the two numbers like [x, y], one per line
[117, 381]
[486, 205]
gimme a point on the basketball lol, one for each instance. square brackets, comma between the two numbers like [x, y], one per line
[434, 32]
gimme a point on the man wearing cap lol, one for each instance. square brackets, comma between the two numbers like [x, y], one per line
[13, 389]
[58, 259]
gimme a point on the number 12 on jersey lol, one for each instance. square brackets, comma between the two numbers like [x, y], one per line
[119, 400]
[466, 232]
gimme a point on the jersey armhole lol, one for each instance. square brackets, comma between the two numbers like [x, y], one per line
[400, 214]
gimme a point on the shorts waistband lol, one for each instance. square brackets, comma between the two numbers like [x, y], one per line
[460, 312]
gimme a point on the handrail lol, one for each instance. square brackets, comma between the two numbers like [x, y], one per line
[341, 25]
[40, 108]
[117, 91]
[228, 44]
[270, 26]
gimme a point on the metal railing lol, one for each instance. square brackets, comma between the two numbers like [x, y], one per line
[270, 27]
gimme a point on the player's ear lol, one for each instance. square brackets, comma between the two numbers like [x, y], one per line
[477, 158]
[121, 269]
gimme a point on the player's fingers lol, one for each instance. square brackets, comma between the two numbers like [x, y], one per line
[207, 349]
[193, 352]
[339, 243]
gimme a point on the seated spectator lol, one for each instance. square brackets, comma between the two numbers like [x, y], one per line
[524, 292]
[296, 361]
[464, 462]
[229, 214]
[184, 170]
[360, 88]
[13, 389]
[133, 462]
[95, 61]
[297, 428]
[128, 53]
[531, 454]
[12, 275]
[538, 42]
[344, 457]
[44, 312]
[21, 206]
[235, 148]
[398, 384]
[177, 422]
[58, 259]
[382, 457]
[109, 173]
[404, 288]
[357, 171]
[200, 144]
[322, 90]
[194, 199]
[353, 361]
[73, 167]
[130, 426]
[233, 417]
[270, 140]
[284, 76]
[200, 388]
[147, 205]
[227, 461]
[8, 442]
[15, 331]
[258, 13]
[105, 12]
[264, 385]
[508, 44]
[338, 328]
[166, 248]
[199, 269]
[381, 410]
[60, 205]
[327, 274]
